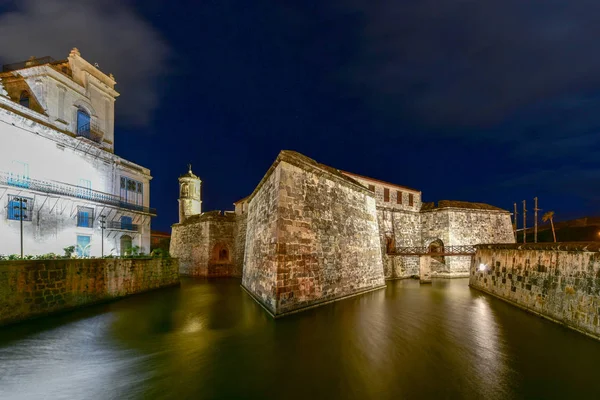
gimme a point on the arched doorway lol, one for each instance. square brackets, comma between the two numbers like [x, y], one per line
[220, 254]
[126, 245]
[437, 247]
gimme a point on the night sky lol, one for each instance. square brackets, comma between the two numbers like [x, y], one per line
[488, 101]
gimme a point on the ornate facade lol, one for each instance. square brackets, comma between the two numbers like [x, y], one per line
[59, 176]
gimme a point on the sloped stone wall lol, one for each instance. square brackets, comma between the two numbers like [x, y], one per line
[260, 259]
[558, 281]
[33, 288]
[312, 237]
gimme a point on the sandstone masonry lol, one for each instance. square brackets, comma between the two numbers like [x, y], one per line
[32, 288]
[314, 237]
[309, 234]
[558, 281]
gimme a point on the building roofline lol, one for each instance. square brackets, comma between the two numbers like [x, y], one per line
[379, 181]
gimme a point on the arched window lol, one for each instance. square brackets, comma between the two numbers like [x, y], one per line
[223, 255]
[125, 245]
[24, 99]
[83, 122]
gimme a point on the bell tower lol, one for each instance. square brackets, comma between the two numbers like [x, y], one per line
[190, 201]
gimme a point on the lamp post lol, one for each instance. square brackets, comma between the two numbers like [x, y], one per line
[102, 226]
[21, 222]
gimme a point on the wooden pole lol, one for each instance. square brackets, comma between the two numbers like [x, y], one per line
[515, 221]
[524, 223]
[535, 213]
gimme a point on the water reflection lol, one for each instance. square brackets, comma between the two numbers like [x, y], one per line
[209, 340]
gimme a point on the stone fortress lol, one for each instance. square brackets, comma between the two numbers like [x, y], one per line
[311, 234]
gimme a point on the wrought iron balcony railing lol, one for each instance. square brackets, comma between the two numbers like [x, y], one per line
[65, 189]
[124, 226]
[90, 131]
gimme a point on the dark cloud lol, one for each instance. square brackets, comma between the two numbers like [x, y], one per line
[472, 63]
[108, 32]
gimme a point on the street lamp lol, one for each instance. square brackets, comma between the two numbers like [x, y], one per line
[102, 226]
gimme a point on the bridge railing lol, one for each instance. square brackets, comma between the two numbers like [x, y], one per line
[462, 250]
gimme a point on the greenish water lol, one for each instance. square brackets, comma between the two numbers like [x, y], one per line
[209, 340]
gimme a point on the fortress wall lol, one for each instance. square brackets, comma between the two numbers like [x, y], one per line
[197, 243]
[260, 259]
[463, 226]
[315, 240]
[559, 281]
[405, 229]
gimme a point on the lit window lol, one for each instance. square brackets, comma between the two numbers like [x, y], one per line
[83, 122]
[127, 223]
[24, 99]
[85, 217]
[18, 205]
[83, 246]
[132, 191]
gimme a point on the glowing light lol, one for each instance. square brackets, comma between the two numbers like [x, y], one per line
[482, 267]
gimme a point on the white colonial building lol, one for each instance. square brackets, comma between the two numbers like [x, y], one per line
[59, 176]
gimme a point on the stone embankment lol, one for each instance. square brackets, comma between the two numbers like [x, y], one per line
[33, 288]
[559, 281]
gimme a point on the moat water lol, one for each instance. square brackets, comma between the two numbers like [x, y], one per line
[210, 340]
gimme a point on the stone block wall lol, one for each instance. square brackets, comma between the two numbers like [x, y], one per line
[260, 258]
[463, 226]
[239, 233]
[404, 227]
[189, 244]
[557, 281]
[32, 288]
[206, 245]
[312, 237]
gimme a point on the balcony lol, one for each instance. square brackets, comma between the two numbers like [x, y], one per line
[65, 189]
[90, 131]
[123, 226]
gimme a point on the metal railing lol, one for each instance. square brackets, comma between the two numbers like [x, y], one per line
[65, 189]
[90, 131]
[124, 226]
[465, 250]
[29, 63]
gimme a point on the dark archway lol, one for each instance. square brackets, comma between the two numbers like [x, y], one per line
[220, 254]
[437, 247]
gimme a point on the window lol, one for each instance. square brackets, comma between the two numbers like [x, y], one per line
[398, 197]
[83, 246]
[127, 223]
[126, 245]
[132, 191]
[24, 99]
[18, 205]
[85, 217]
[372, 188]
[83, 122]
[386, 194]
[410, 199]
